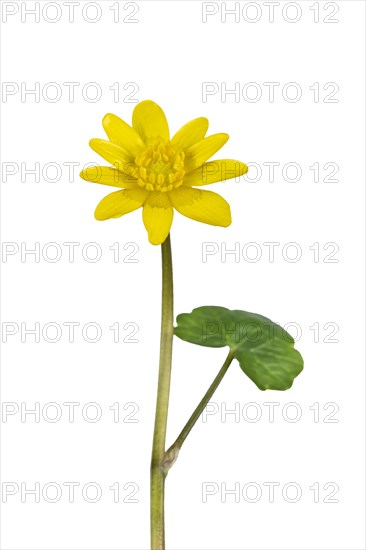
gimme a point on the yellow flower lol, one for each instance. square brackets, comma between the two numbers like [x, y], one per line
[158, 173]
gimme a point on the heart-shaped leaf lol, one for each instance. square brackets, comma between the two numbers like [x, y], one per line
[265, 351]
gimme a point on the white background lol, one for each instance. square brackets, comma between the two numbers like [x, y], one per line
[169, 53]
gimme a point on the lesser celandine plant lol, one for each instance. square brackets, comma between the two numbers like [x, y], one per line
[160, 174]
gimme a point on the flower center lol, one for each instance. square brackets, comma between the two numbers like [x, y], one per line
[160, 168]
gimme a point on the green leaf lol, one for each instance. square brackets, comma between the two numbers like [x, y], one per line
[265, 351]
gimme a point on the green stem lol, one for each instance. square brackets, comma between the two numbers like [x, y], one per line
[172, 453]
[158, 471]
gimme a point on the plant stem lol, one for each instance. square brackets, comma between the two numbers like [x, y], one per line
[158, 471]
[172, 453]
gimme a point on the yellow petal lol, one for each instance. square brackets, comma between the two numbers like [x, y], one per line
[214, 171]
[190, 133]
[148, 119]
[108, 176]
[157, 216]
[120, 133]
[119, 203]
[120, 158]
[198, 153]
[202, 206]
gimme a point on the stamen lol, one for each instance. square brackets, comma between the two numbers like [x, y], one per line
[160, 168]
[142, 171]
